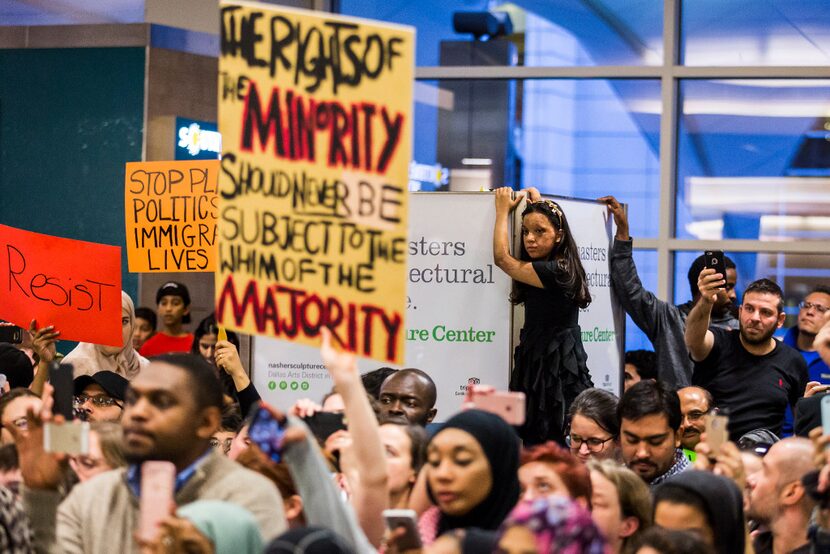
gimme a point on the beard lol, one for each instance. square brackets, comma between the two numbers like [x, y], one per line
[761, 339]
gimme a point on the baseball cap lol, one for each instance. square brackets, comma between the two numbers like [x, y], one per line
[112, 383]
[172, 288]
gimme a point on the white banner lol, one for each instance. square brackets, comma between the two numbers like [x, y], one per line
[458, 313]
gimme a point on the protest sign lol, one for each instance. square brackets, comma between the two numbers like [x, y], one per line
[315, 113]
[71, 284]
[170, 215]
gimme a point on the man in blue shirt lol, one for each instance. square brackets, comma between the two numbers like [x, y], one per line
[810, 319]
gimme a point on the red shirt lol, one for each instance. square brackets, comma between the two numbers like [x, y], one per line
[161, 343]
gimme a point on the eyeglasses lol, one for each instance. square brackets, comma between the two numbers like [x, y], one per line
[575, 442]
[226, 444]
[695, 415]
[21, 423]
[99, 401]
[819, 308]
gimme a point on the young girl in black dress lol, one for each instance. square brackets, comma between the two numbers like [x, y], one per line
[549, 364]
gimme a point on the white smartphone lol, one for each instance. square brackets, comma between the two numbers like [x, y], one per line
[68, 438]
[716, 431]
[157, 485]
[408, 520]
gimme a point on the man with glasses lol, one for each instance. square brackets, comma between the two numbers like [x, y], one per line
[695, 402]
[100, 397]
[811, 314]
[13, 407]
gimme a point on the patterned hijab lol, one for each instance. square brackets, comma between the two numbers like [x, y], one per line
[559, 525]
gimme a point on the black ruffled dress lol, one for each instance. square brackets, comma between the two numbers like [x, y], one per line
[549, 364]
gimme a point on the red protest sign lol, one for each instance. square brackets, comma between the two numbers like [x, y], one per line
[71, 284]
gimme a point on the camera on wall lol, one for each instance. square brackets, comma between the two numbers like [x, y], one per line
[482, 25]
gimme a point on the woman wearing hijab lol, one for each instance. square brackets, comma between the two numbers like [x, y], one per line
[709, 504]
[471, 473]
[89, 359]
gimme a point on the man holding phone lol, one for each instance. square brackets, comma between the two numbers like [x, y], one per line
[747, 371]
[171, 410]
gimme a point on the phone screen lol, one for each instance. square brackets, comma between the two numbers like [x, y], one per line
[267, 433]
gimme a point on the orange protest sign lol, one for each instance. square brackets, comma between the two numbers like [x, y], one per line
[71, 284]
[170, 215]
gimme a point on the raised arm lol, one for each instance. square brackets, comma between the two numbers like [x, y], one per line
[515, 268]
[227, 357]
[44, 345]
[370, 494]
[699, 339]
[645, 309]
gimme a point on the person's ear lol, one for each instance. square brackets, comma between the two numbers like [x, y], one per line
[781, 317]
[791, 494]
[677, 437]
[293, 506]
[629, 526]
[209, 420]
[431, 414]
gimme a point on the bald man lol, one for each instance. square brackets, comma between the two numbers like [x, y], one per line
[778, 500]
[408, 397]
[695, 402]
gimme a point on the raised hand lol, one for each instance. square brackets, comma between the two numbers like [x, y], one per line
[620, 217]
[710, 283]
[39, 469]
[533, 194]
[505, 200]
[44, 341]
[342, 366]
[227, 357]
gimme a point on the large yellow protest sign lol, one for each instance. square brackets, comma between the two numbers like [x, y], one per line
[315, 112]
[170, 215]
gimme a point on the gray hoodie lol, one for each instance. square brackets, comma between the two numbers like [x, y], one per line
[663, 323]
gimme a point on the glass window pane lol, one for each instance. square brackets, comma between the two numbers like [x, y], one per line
[754, 160]
[796, 274]
[646, 262]
[749, 32]
[544, 32]
[579, 138]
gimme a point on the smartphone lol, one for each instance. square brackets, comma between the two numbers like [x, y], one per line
[409, 521]
[716, 431]
[60, 376]
[509, 405]
[156, 498]
[11, 333]
[325, 424]
[66, 438]
[713, 259]
[825, 414]
[267, 433]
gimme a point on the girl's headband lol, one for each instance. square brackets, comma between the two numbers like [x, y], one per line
[552, 206]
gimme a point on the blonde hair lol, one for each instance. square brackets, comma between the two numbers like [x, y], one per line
[632, 492]
[111, 438]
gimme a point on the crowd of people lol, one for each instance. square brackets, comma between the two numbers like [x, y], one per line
[587, 472]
